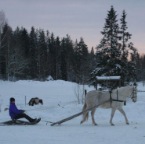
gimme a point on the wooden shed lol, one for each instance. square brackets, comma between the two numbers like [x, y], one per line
[108, 81]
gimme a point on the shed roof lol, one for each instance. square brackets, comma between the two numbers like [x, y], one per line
[108, 77]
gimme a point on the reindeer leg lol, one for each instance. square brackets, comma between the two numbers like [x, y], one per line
[85, 116]
[112, 115]
[92, 114]
[85, 113]
[123, 112]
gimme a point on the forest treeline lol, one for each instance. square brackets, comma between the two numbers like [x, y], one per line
[38, 54]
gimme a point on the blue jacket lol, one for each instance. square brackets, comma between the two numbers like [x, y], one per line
[13, 111]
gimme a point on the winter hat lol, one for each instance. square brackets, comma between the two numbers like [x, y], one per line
[12, 99]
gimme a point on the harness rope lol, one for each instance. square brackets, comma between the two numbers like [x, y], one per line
[111, 99]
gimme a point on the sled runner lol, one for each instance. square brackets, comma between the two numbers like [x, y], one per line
[19, 122]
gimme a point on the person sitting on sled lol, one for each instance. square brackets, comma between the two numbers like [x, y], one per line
[16, 113]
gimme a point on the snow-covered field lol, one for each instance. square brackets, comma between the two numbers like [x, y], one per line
[60, 102]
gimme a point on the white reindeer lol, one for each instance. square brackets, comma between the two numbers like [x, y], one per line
[105, 99]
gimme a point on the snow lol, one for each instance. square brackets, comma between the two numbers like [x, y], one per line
[60, 102]
[108, 77]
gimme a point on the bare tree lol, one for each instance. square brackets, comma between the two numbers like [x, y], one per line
[2, 23]
[79, 91]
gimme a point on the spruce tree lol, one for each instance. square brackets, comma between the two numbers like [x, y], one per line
[52, 55]
[67, 53]
[32, 56]
[42, 56]
[108, 51]
[81, 57]
[63, 60]
[127, 52]
[2, 49]
[5, 51]
[114, 51]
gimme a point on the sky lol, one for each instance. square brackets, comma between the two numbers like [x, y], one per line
[77, 18]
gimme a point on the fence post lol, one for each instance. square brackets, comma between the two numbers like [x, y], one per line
[25, 100]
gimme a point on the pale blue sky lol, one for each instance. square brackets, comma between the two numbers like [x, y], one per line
[78, 18]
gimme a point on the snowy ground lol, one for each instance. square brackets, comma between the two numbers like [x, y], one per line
[60, 102]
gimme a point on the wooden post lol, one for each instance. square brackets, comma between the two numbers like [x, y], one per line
[75, 115]
[25, 100]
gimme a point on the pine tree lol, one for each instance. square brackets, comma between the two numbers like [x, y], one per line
[92, 60]
[114, 50]
[132, 71]
[124, 37]
[63, 60]
[2, 49]
[108, 51]
[42, 56]
[67, 54]
[5, 51]
[81, 57]
[32, 56]
[18, 56]
[84, 55]
[127, 51]
[142, 68]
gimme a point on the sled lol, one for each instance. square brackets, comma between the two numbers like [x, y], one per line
[19, 122]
